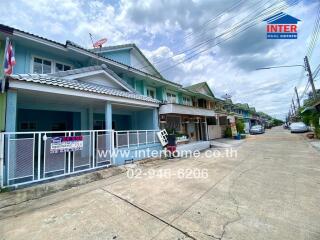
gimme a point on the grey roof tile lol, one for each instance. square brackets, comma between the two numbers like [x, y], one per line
[78, 85]
[91, 69]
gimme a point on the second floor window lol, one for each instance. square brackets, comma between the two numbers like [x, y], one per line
[171, 97]
[42, 66]
[45, 66]
[151, 93]
[62, 67]
[186, 101]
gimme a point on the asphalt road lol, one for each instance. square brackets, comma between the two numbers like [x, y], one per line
[270, 190]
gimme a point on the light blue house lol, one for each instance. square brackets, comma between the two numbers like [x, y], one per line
[64, 103]
[64, 90]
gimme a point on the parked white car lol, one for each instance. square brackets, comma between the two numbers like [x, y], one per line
[298, 127]
[257, 129]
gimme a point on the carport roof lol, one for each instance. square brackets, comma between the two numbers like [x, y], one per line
[79, 85]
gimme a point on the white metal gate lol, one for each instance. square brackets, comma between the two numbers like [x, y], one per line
[28, 156]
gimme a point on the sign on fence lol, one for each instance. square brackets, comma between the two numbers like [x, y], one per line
[66, 144]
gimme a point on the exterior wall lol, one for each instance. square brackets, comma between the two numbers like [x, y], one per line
[143, 120]
[2, 46]
[46, 119]
[3, 98]
[24, 55]
[160, 93]
[139, 86]
[11, 111]
[129, 80]
[122, 122]
[122, 56]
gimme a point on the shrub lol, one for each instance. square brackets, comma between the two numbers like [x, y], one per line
[312, 118]
[228, 132]
[240, 126]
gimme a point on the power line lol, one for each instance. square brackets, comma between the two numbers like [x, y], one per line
[262, 15]
[194, 48]
[312, 43]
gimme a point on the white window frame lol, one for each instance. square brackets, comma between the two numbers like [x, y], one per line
[172, 93]
[152, 89]
[53, 63]
[189, 103]
[64, 64]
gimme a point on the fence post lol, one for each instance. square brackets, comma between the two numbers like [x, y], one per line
[69, 157]
[128, 139]
[117, 139]
[93, 149]
[39, 156]
[1, 159]
[112, 147]
[146, 137]
[138, 138]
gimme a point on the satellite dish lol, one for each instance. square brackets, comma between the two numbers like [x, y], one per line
[226, 96]
[99, 43]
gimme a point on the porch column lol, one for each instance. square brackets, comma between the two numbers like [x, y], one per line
[11, 111]
[155, 119]
[84, 120]
[108, 115]
[90, 118]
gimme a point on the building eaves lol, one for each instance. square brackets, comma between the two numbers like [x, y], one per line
[14, 31]
[79, 85]
[102, 67]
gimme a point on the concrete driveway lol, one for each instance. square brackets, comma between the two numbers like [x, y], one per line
[271, 190]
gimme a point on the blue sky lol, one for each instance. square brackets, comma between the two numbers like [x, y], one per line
[164, 28]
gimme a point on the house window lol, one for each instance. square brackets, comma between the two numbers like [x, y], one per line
[62, 67]
[202, 103]
[28, 126]
[171, 97]
[186, 101]
[151, 92]
[42, 66]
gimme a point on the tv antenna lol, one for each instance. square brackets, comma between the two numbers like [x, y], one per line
[98, 44]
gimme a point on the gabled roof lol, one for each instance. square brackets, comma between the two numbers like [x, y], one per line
[196, 87]
[242, 106]
[126, 46]
[282, 18]
[102, 67]
[78, 85]
[252, 109]
[20, 33]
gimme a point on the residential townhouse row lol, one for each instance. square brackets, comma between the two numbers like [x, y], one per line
[64, 87]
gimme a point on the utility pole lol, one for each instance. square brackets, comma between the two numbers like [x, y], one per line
[308, 69]
[294, 107]
[292, 111]
[298, 100]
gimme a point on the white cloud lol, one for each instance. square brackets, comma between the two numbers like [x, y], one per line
[164, 28]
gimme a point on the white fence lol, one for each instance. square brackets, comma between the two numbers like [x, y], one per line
[36, 156]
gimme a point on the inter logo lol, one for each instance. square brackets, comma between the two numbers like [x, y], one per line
[282, 26]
